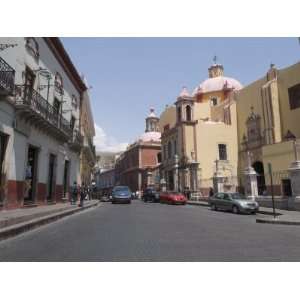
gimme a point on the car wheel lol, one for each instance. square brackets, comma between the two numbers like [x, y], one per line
[214, 207]
[235, 209]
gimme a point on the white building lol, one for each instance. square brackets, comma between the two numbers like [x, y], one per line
[40, 141]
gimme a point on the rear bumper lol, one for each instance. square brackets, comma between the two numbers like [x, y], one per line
[121, 200]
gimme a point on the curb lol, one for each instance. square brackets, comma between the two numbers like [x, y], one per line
[26, 226]
[277, 221]
[198, 204]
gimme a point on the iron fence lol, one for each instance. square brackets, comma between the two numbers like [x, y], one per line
[30, 98]
[7, 77]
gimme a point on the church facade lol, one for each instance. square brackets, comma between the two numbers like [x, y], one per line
[199, 136]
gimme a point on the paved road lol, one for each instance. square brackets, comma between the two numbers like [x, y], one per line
[155, 232]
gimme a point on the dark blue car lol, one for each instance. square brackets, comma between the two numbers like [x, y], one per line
[121, 194]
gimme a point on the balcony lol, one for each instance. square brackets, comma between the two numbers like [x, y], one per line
[90, 149]
[7, 78]
[76, 141]
[38, 111]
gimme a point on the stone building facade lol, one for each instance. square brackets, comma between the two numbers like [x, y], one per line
[138, 166]
[268, 128]
[40, 137]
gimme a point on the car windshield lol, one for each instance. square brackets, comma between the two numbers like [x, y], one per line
[238, 196]
[123, 189]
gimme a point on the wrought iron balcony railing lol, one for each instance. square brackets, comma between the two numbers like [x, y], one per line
[27, 97]
[77, 140]
[7, 78]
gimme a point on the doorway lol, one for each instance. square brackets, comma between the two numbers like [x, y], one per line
[261, 182]
[30, 175]
[66, 179]
[51, 177]
[286, 187]
[3, 144]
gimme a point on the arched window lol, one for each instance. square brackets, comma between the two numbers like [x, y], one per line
[178, 114]
[214, 101]
[58, 83]
[33, 46]
[188, 112]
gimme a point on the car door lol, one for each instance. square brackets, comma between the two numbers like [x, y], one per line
[221, 201]
[227, 202]
[217, 200]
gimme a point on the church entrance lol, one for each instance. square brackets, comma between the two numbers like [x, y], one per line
[261, 182]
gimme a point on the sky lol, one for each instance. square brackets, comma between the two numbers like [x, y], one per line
[129, 75]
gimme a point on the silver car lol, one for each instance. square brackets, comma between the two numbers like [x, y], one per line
[235, 202]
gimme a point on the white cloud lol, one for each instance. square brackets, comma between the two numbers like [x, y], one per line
[107, 143]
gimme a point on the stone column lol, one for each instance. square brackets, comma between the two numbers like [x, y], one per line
[218, 179]
[194, 176]
[250, 177]
[175, 173]
[163, 185]
[149, 177]
[294, 174]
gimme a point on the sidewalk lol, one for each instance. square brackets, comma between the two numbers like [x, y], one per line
[265, 215]
[13, 222]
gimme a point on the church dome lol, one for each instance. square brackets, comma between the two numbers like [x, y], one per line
[152, 133]
[217, 84]
[217, 81]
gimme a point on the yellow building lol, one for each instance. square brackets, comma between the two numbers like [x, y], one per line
[199, 136]
[268, 113]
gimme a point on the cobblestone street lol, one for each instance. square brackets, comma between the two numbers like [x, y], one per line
[155, 232]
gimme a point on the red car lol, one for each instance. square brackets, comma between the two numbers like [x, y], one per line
[172, 198]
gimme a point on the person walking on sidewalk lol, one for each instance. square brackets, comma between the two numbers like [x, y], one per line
[82, 195]
[74, 193]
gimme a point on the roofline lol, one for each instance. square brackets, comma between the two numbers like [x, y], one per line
[57, 48]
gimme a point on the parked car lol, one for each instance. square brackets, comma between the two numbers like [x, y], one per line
[121, 194]
[150, 194]
[172, 198]
[235, 202]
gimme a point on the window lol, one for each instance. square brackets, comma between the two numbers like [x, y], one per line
[56, 106]
[159, 157]
[74, 101]
[178, 114]
[58, 83]
[33, 47]
[188, 112]
[294, 96]
[222, 152]
[214, 101]
[72, 123]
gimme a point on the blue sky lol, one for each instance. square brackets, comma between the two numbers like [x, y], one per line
[129, 75]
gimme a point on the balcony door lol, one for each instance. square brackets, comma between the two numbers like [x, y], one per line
[29, 84]
[30, 175]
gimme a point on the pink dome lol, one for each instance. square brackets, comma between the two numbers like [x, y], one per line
[218, 84]
[149, 136]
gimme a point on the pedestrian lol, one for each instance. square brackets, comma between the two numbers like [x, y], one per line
[74, 193]
[211, 192]
[82, 195]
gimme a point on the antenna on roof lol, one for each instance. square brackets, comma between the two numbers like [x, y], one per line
[215, 59]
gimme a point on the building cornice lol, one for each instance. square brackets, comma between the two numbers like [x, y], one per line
[65, 61]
